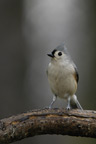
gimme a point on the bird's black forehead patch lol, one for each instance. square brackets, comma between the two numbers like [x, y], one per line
[53, 52]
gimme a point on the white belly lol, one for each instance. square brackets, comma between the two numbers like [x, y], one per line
[62, 81]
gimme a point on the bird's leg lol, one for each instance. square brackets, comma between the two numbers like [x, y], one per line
[54, 99]
[77, 102]
[68, 103]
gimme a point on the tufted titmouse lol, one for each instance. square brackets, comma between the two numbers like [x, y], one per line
[63, 77]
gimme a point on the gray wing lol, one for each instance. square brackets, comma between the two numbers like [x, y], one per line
[76, 74]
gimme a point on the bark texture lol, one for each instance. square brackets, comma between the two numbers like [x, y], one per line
[48, 121]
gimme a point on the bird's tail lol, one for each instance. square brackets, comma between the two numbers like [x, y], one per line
[74, 103]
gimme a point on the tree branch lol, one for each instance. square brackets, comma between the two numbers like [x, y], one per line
[48, 121]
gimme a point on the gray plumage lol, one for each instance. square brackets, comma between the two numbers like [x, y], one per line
[63, 76]
[61, 47]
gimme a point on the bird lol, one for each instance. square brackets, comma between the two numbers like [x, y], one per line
[63, 77]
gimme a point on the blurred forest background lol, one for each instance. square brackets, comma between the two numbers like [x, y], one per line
[29, 29]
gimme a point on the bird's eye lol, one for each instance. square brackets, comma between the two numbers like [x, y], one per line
[59, 53]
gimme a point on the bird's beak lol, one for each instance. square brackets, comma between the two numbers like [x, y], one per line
[50, 55]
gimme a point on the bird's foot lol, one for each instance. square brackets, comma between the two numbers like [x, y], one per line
[47, 107]
[68, 107]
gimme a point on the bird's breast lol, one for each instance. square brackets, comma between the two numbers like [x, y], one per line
[61, 80]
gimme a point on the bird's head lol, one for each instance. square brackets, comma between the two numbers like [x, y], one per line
[59, 53]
